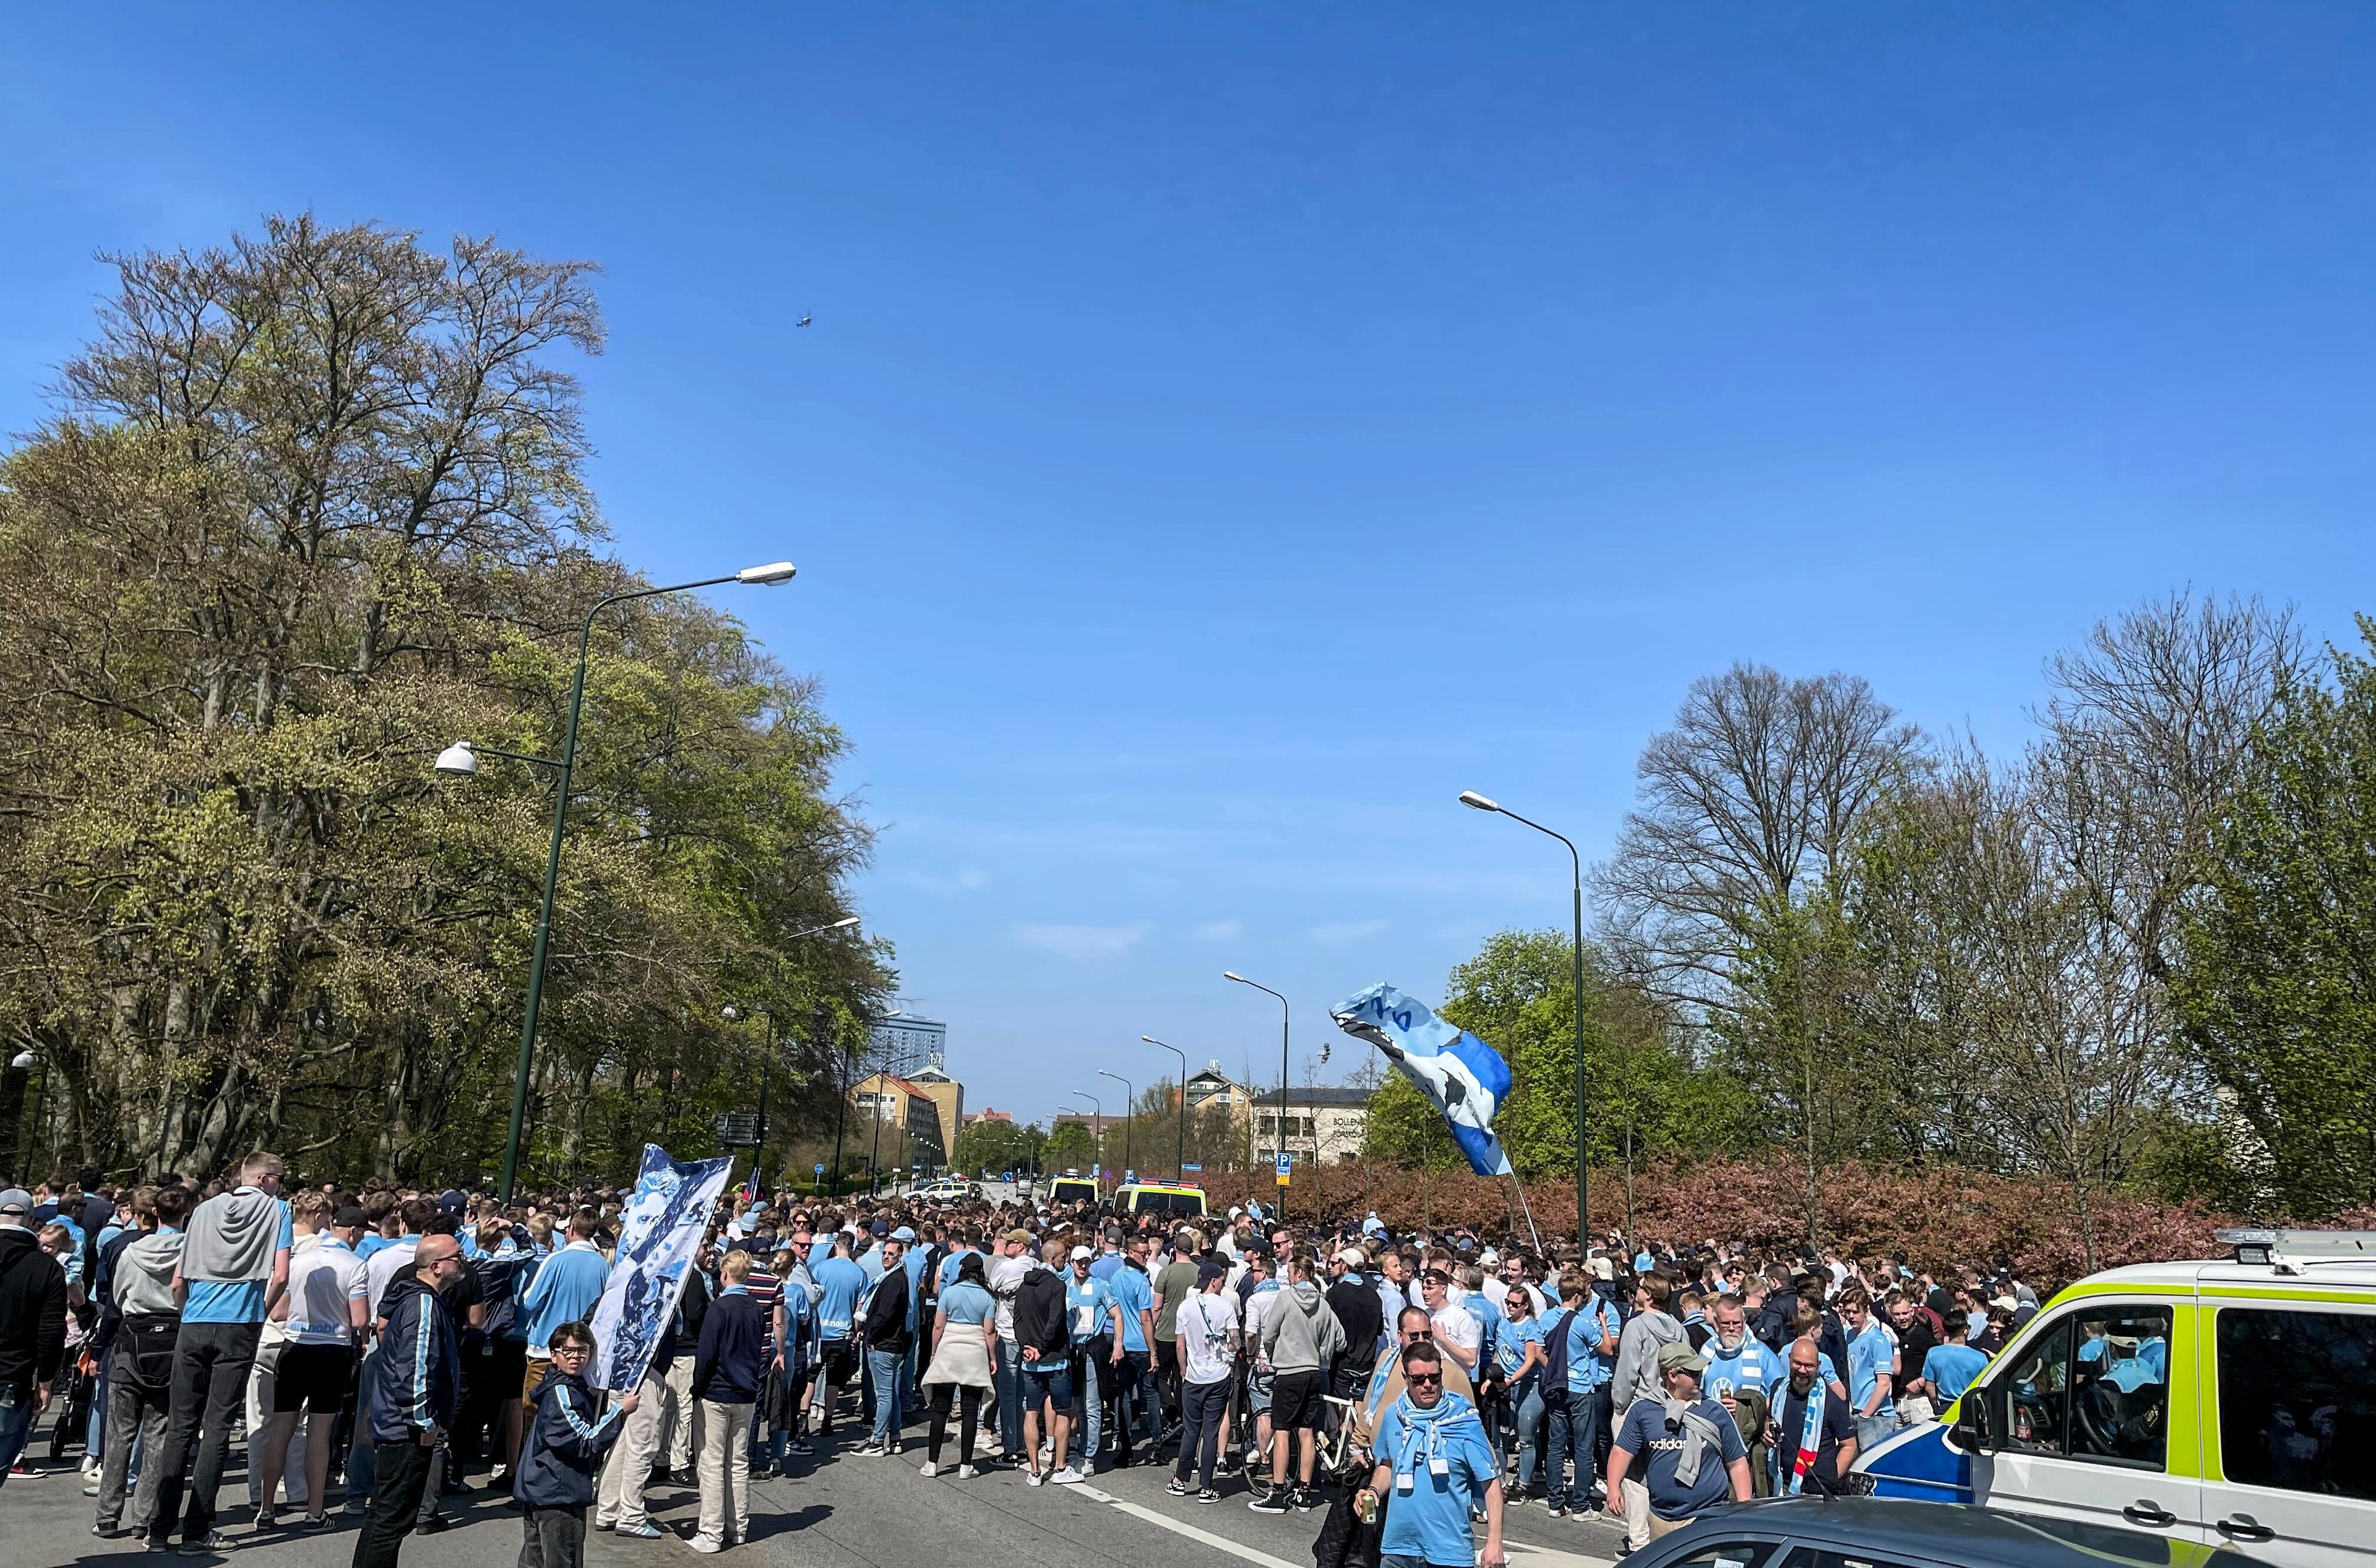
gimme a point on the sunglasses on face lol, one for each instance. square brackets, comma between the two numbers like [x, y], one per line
[1423, 1377]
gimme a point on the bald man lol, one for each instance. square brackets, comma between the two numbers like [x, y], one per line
[413, 1387]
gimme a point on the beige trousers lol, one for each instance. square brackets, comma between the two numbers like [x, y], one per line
[619, 1497]
[726, 1471]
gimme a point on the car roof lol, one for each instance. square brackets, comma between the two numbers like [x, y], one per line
[1960, 1533]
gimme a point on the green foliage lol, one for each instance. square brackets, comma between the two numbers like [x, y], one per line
[2278, 981]
[1518, 995]
[997, 1147]
[1070, 1146]
[316, 509]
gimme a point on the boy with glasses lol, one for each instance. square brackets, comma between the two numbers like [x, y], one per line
[562, 1453]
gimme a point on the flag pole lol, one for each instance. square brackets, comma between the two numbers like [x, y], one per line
[1520, 1188]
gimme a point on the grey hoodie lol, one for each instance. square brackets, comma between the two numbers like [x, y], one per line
[1301, 1332]
[1637, 1360]
[143, 1280]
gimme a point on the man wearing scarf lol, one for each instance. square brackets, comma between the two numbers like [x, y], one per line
[1814, 1433]
[1688, 1451]
[1434, 1468]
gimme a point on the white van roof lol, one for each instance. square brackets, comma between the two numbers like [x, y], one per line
[2339, 1258]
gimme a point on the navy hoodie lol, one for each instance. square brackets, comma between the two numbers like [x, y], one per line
[415, 1375]
[564, 1449]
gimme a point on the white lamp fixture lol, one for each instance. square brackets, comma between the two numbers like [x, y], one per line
[774, 572]
[1471, 798]
[459, 760]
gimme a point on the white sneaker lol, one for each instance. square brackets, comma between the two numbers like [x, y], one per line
[707, 1545]
[1067, 1477]
[1035, 1478]
[928, 1469]
[966, 1472]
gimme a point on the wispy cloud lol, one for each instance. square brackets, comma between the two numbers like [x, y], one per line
[966, 881]
[1338, 933]
[1217, 930]
[1082, 942]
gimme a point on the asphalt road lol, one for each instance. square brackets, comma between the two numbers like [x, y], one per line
[835, 1510]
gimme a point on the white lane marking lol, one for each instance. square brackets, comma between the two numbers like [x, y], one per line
[1179, 1528]
[1549, 1556]
[1552, 1555]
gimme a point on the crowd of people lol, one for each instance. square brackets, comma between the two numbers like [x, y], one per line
[383, 1347]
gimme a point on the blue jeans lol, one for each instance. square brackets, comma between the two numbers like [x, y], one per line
[1091, 1425]
[1008, 1379]
[1526, 1429]
[16, 1424]
[890, 1369]
[1574, 1417]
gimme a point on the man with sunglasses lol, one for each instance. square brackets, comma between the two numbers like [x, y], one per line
[1433, 1469]
[414, 1388]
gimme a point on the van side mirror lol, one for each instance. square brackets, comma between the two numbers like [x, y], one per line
[1972, 1431]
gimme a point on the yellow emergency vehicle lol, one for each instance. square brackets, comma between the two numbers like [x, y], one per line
[2230, 1403]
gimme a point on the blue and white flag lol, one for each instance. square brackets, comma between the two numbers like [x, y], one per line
[1463, 1076]
[659, 1232]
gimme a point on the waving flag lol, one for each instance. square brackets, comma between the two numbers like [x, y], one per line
[1466, 1078]
[751, 1187]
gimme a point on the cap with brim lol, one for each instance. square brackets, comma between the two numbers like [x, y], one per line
[1680, 1356]
[2002, 1303]
[1353, 1256]
[1210, 1270]
[905, 1233]
[1018, 1237]
[349, 1215]
[16, 1200]
[882, 1228]
[1082, 1254]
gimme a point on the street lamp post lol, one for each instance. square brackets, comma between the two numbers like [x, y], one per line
[1471, 798]
[1233, 975]
[461, 758]
[1129, 1099]
[767, 1015]
[1179, 1138]
[841, 1117]
[1096, 1135]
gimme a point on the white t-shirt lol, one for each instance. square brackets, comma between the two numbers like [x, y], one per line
[322, 1280]
[1457, 1325]
[381, 1266]
[1207, 1320]
[1006, 1276]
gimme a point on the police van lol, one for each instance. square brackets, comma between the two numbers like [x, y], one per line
[2215, 1404]
[1172, 1200]
[1073, 1187]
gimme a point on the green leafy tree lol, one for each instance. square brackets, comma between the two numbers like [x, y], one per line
[314, 505]
[1644, 1099]
[2277, 984]
[1070, 1146]
[997, 1147]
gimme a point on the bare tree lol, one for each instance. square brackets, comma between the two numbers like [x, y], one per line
[1722, 888]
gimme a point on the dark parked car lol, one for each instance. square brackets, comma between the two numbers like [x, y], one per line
[1872, 1532]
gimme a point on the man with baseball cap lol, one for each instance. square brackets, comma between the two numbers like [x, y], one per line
[1093, 1316]
[1675, 1458]
[33, 1324]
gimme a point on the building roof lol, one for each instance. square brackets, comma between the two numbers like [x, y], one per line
[1325, 1095]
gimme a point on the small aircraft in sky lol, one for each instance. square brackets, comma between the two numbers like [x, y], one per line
[804, 321]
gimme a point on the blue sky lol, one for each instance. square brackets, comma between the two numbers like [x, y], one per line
[1230, 432]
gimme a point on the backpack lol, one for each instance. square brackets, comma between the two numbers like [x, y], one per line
[1555, 1354]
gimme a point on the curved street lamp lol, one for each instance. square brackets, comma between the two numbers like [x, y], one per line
[1128, 1100]
[1179, 1138]
[1475, 802]
[1096, 1134]
[461, 759]
[1233, 975]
